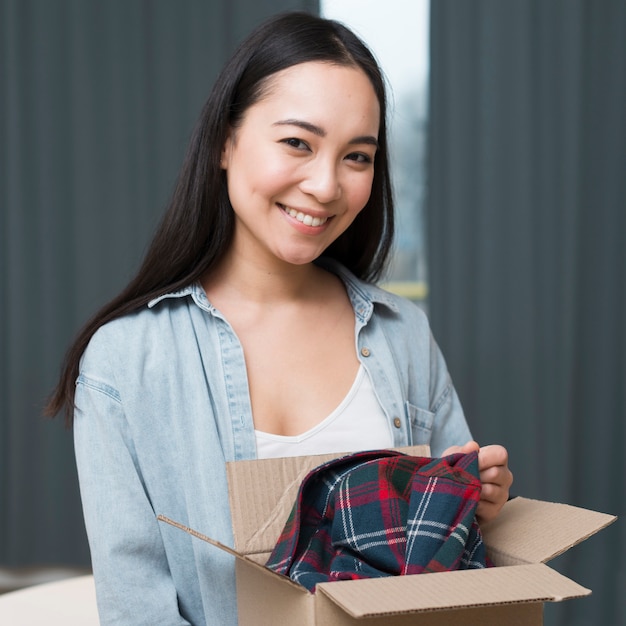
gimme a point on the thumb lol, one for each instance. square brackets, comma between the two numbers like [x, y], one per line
[470, 446]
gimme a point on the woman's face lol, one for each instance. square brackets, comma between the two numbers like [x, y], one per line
[300, 165]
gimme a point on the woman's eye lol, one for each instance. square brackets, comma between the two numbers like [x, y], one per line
[359, 157]
[296, 143]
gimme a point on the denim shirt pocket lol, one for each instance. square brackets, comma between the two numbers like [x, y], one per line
[421, 422]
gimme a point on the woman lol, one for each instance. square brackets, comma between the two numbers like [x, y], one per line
[253, 327]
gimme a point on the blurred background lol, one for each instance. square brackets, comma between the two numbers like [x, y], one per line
[509, 156]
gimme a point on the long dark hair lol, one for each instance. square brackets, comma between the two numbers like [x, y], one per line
[198, 226]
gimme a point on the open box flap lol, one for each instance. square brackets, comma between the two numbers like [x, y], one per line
[251, 562]
[533, 531]
[198, 535]
[262, 493]
[451, 590]
[371, 597]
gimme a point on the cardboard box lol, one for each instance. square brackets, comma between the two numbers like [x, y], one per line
[525, 535]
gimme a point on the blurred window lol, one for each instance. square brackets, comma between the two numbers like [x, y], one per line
[397, 33]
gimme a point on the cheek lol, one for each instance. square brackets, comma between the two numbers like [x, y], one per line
[259, 173]
[359, 192]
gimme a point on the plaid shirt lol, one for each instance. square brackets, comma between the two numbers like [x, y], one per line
[382, 513]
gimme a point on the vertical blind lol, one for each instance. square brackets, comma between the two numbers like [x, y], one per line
[97, 102]
[527, 254]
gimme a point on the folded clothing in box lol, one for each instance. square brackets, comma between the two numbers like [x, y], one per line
[382, 513]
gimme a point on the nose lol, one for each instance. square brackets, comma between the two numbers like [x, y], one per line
[322, 181]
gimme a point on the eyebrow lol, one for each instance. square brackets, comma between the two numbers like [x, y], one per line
[320, 132]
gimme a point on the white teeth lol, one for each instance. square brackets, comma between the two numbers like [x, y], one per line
[308, 220]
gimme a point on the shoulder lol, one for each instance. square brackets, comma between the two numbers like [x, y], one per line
[129, 339]
[124, 331]
[114, 346]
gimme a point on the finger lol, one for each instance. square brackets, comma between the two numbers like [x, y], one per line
[470, 446]
[492, 499]
[492, 493]
[493, 455]
[486, 511]
[492, 475]
[497, 475]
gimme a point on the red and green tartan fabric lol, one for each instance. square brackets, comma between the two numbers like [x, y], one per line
[382, 513]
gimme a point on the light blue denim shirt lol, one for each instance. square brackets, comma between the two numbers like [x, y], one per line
[162, 403]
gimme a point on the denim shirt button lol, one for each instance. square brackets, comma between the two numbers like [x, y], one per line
[396, 422]
[365, 351]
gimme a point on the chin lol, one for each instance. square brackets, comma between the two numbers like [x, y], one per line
[300, 258]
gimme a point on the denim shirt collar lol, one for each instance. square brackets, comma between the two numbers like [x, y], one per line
[363, 295]
[194, 290]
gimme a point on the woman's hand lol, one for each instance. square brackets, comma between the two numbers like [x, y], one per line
[495, 476]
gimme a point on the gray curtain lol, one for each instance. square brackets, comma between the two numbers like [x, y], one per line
[527, 254]
[97, 101]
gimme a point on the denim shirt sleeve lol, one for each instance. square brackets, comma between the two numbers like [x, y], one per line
[449, 426]
[433, 408]
[153, 431]
[134, 584]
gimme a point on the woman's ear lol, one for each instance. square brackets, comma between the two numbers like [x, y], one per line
[226, 148]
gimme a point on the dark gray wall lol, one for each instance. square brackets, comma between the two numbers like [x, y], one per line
[527, 240]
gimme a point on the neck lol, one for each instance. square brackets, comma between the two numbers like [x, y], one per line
[255, 282]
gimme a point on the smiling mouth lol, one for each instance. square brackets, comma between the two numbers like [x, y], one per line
[307, 220]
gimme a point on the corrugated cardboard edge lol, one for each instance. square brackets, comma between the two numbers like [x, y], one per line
[459, 589]
[262, 493]
[534, 531]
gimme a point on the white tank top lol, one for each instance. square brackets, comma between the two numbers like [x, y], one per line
[358, 423]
